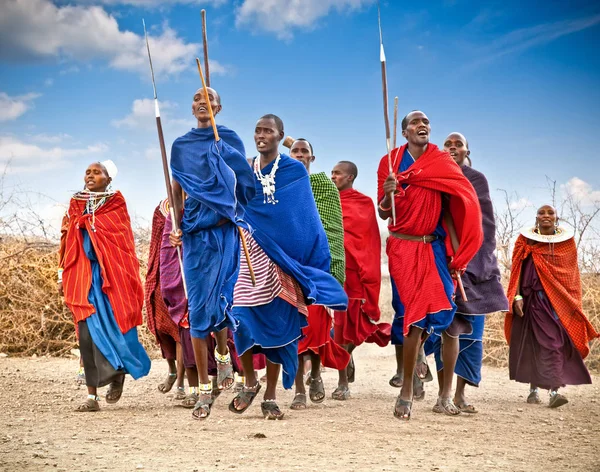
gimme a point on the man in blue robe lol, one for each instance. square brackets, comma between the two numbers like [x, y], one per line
[291, 259]
[218, 183]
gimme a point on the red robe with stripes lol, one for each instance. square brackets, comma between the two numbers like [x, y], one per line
[115, 249]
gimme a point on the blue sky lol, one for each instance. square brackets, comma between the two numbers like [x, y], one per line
[518, 78]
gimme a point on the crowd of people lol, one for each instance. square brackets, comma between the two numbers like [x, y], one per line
[258, 263]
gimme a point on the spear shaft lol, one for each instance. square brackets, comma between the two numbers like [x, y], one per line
[163, 153]
[205, 44]
[395, 121]
[385, 108]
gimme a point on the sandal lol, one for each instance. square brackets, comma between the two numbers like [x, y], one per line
[397, 380]
[316, 391]
[447, 407]
[351, 370]
[216, 391]
[270, 410]
[180, 393]
[342, 392]
[556, 400]
[201, 409]
[437, 408]
[115, 390]
[407, 405]
[299, 402]
[422, 367]
[418, 389]
[246, 397]
[190, 400]
[91, 404]
[167, 385]
[466, 408]
[225, 378]
[534, 397]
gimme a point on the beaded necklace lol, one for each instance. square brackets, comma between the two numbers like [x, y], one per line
[267, 181]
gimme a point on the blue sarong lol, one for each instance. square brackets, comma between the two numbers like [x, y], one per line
[123, 351]
[470, 356]
[219, 183]
[292, 235]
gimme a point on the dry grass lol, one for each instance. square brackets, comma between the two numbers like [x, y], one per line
[34, 320]
[33, 317]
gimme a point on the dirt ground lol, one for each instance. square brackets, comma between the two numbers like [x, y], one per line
[147, 431]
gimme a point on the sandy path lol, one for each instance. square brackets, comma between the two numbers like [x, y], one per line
[146, 431]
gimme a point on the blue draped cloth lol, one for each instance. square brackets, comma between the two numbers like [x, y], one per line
[219, 183]
[123, 351]
[433, 323]
[292, 235]
[470, 356]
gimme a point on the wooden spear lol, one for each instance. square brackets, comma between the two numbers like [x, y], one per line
[205, 44]
[385, 108]
[454, 241]
[165, 163]
[217, 138]
[395, 121]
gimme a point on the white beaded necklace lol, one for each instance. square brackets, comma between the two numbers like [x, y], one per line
[267, 181]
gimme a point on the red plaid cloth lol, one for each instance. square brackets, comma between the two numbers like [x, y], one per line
[157, 314]
[556, 265]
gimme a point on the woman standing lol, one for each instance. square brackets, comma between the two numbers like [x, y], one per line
[99, 275]
[549, 336]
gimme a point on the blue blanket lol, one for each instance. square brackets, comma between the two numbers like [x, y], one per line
[292, 235]
[219, 183]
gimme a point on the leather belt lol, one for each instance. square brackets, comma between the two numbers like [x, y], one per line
[428, 238]
[221, 222]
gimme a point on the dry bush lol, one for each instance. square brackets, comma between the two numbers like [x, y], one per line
[33, 317]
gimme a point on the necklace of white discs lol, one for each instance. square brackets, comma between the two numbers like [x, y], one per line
[267, 181]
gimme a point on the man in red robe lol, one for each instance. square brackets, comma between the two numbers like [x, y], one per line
[362, 244]
[418, 246]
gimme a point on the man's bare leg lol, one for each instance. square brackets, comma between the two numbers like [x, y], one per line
[269, 407]
[398, 378]
[450, 349]
[299, 402]
[225, 377]
[180, 367]
[252, 385]
[412, 343]
[342, 392]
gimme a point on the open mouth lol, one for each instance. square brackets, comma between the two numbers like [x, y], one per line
[422, 132]
[261, 144]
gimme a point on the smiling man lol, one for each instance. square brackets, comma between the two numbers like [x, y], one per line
[482, 287]
[418, 248]
[218, 182]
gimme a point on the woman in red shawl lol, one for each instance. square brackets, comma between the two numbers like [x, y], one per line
[99, 276]
[549, 336]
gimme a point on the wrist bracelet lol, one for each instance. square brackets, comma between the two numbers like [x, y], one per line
[518, 297]
[385, 209]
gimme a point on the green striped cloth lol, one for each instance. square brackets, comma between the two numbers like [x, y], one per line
[328, 203]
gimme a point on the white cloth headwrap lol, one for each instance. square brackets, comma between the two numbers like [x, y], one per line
[111, 168]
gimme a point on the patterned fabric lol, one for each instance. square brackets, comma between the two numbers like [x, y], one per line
[112, 239]
[157, 314]
[171, 282]
[556, 266]
[271, 281]
[329, 207]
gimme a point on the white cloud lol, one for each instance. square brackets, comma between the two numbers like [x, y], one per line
[282, 16]
[12, 108]
[142, 115]
[49, 82]
[520, 204]
[38, 29]
[581, 191]
[20, 156]
[50, 138]
[70, 70]
[151, 3]
[522, 39]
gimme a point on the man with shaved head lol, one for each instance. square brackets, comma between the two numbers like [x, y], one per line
[218, 184]
[482, 287]
[362, 243]
[437, 215]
